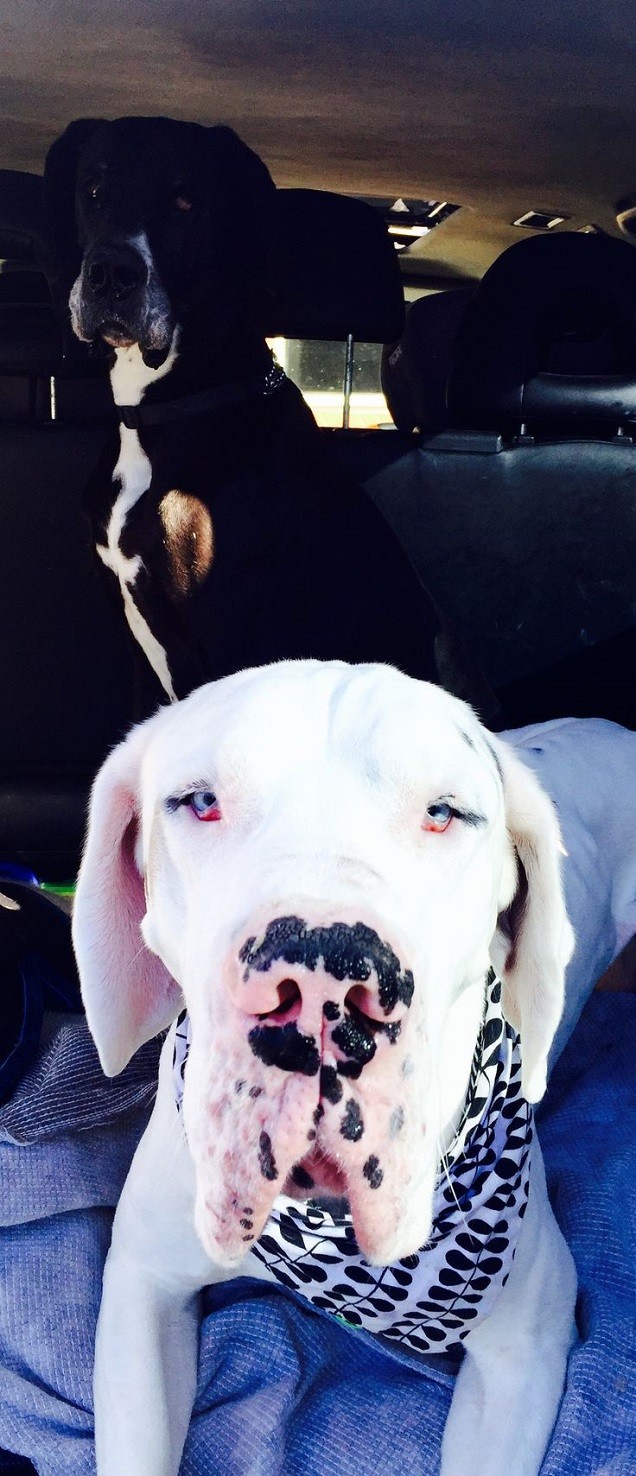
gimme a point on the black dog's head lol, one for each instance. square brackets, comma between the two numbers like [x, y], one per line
[151, 221]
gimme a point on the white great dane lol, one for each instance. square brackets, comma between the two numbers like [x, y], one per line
[322, 865]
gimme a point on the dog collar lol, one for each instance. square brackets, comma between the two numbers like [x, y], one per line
[429, 1301]
[134, 417]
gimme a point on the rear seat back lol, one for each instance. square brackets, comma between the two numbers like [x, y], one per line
[415, 370]
[521, 514]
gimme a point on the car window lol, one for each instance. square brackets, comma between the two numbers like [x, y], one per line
[320, 369]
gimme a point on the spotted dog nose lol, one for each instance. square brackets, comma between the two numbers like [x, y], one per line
[303, 987]
[115, 271]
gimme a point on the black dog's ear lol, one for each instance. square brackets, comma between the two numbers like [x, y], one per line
[239, 178]
[60, 173]
[247, 181]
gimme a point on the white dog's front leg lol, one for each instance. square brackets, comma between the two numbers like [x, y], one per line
[510, 1384]
[148, 1328]
[145, 1373]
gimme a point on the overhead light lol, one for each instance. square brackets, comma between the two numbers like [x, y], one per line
[404, 230]
[408, 220]
[402, 211]
[626, 215]
[540, 220]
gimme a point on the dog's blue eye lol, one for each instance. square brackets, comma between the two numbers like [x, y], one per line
[204, 804]
[439, 816]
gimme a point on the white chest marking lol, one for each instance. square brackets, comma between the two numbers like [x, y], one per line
[129, 378]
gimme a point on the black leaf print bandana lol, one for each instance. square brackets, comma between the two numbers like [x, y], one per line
[426, 1302]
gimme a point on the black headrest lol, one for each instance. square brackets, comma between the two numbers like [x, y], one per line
[550, 336]
[414, 371]
[34, 344]
[23, 237]
[29, 340]
[337, 269]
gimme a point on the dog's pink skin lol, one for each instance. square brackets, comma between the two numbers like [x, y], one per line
[232, 1099]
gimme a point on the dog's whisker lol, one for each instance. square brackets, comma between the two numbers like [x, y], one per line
[134, 958]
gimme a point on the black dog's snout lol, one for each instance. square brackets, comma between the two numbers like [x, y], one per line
[115, 272]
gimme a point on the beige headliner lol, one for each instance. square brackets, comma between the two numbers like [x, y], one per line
[493, 104]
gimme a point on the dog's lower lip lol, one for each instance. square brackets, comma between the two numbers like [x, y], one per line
[324, 1173]
[117, 337]
[153, 357]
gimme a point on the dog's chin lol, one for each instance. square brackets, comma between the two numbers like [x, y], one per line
[154, 353]
[316, 1174]
[383, 1238]
[117, 338]
[91, 328]
[154, 357]
[152, 336]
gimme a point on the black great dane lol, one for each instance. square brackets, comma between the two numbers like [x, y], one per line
[233, 539]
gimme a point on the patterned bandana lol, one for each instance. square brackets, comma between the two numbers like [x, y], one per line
[426, 1302]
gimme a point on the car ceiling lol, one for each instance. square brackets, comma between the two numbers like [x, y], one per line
[497, 106]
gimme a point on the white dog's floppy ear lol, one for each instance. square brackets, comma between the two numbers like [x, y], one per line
[534, 941]
[128, 994]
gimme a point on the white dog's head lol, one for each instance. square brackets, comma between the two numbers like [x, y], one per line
[320, 861]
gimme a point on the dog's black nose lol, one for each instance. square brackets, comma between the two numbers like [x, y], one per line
[115, 271]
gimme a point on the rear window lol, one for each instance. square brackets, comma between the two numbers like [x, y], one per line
[319, 370]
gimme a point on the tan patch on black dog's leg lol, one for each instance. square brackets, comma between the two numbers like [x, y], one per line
[188, 538]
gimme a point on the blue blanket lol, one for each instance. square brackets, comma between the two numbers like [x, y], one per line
[284, 1389]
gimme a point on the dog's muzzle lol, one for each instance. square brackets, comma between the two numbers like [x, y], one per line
[308, 1085]
[118, 298]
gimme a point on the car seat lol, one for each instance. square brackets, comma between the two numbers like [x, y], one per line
[520, 513]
